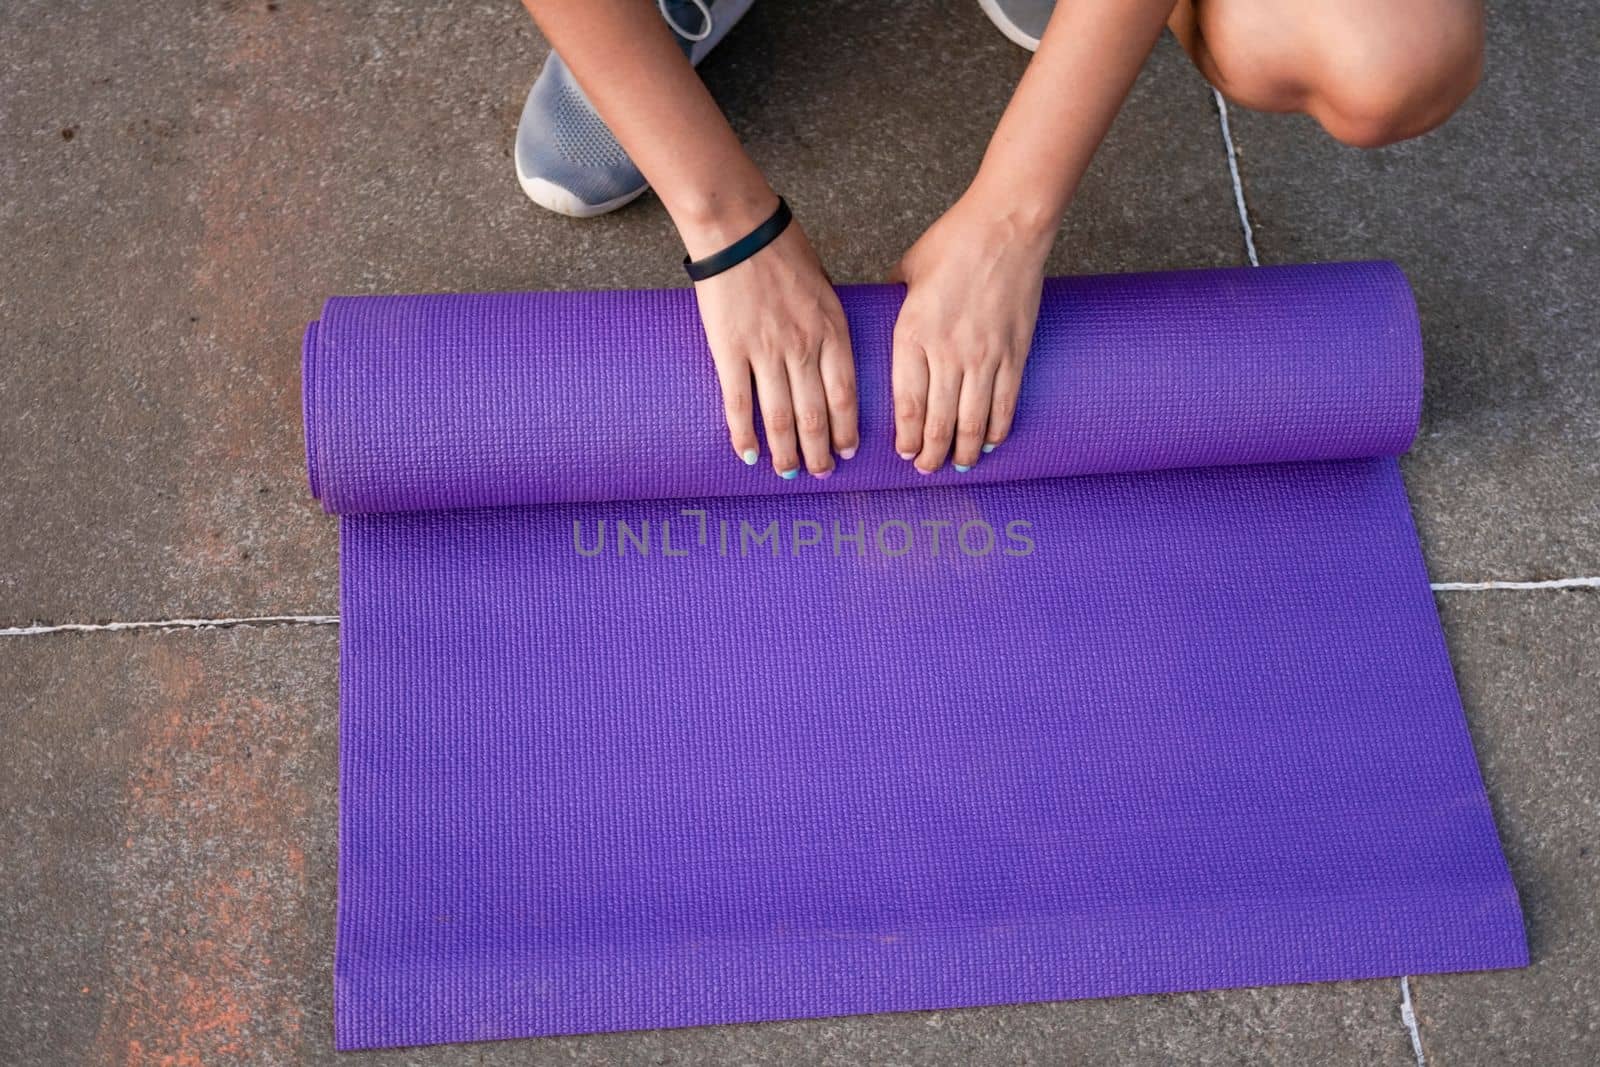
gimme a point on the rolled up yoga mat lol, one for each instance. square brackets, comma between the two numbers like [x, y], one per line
[633, 735]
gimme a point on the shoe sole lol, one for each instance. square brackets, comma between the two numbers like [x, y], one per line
[1003, 23]
[552, 197]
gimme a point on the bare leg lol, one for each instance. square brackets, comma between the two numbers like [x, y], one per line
[1371, 71]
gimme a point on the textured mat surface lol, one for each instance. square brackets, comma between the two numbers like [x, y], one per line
[635, 736]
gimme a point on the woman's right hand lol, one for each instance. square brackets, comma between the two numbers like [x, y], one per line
[781, 346]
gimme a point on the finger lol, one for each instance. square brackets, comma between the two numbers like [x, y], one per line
[777, 416]
[910, 378]
[944, 395]
[811, 413]
[972, 415]
[739, 407]
[1003, 408]
[839, 382]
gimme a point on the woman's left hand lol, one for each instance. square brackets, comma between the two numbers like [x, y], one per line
[972, 298]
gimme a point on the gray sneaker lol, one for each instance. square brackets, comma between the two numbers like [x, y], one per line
[1023, 21]
[567, 160]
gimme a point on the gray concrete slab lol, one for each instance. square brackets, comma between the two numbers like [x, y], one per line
[168, 818]
[1530, 676]
[187, 184]
[1493, 217]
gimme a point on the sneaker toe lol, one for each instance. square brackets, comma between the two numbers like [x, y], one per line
[567, 160]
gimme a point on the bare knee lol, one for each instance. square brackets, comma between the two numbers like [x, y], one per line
[1371, 71]
[1400, 78]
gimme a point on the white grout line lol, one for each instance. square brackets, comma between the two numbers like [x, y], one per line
[1553, 583]
[1408, 1016]
[1238, 185]
[171, 624]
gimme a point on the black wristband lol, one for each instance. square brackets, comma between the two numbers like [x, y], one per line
[742, 249]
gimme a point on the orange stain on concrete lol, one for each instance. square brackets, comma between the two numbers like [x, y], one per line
[260, 201]
[216, 880]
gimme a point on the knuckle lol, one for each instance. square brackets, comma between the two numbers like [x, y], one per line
[842, 392]
[982, 357]
[739, 405]
[812, 421]
[970, 428]
[937, 429]
[962, 359]
[781, 336]
[908, 406]
[780, 421]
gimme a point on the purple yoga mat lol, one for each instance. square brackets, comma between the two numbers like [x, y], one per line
[632, 735]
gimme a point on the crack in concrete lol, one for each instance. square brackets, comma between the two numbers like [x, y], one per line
[170, 624]
[1548, 583]
[1408, 1016]
[1238, 184]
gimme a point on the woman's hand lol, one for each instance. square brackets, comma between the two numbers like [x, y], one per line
[775, 320]
[972, 298]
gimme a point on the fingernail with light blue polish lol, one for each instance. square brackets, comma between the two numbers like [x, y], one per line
[960, 469]
[989, 448]
[790, 476]
[750, 456]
